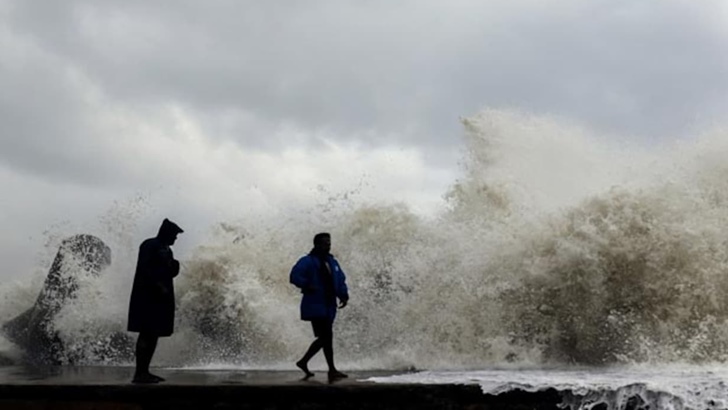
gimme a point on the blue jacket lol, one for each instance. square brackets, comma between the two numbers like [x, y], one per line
[306, 275]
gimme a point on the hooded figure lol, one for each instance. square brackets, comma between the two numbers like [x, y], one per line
[151, 308]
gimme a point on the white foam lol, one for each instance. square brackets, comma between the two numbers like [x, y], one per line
[554, 247]
[659, 387]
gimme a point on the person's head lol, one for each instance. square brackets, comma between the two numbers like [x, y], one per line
[168, 232]
[322, 242]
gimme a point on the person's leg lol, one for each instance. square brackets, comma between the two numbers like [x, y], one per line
[327, 340]
[311, 352]
[328, 346]
[152, 343]
[145, 347]
[312, 349]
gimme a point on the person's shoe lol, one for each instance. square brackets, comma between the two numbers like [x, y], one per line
[304, 366]
[335, 374]
[157, 378]
[144, 379]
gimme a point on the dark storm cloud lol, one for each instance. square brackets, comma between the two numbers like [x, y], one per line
[42, 117]
[318, 67]
[407, 69]
[103, 99]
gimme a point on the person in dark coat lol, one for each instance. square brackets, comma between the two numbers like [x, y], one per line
[322, 282]
[151, 308]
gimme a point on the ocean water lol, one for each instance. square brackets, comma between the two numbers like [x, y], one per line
[554, 249]
[674, 387]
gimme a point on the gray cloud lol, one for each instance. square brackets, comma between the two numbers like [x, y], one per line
[91, 89]
[411, 68]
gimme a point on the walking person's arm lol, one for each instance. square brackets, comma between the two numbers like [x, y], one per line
[301, 275]
[342, 291]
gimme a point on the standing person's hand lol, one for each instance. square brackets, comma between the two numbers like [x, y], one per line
[161, 289]
[343, 303]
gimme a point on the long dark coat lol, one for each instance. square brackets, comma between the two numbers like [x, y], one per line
[151, 309]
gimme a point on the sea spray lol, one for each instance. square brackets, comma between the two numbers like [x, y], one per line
[555, 246]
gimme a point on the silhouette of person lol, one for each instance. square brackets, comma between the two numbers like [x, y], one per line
[151, 307]
[321, 281]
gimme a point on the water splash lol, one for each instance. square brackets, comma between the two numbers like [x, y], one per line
[554, 247]
[673, 387]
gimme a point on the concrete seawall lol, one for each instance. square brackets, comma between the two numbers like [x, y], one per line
[109, 388]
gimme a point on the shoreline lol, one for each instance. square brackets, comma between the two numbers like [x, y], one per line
[110, 388]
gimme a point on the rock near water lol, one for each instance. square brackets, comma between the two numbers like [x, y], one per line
[34, 330]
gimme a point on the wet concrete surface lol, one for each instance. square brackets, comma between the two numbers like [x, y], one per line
[110, 388]
[117, 375]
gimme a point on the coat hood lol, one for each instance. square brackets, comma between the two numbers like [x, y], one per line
[168, 229]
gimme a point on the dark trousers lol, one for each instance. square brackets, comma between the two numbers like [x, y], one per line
[323, 329]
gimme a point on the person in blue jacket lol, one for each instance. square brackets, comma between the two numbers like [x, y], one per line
[322, 282]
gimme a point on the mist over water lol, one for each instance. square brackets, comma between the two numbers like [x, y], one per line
[554, 247]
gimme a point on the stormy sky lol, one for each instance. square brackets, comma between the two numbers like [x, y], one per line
[205, 111]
